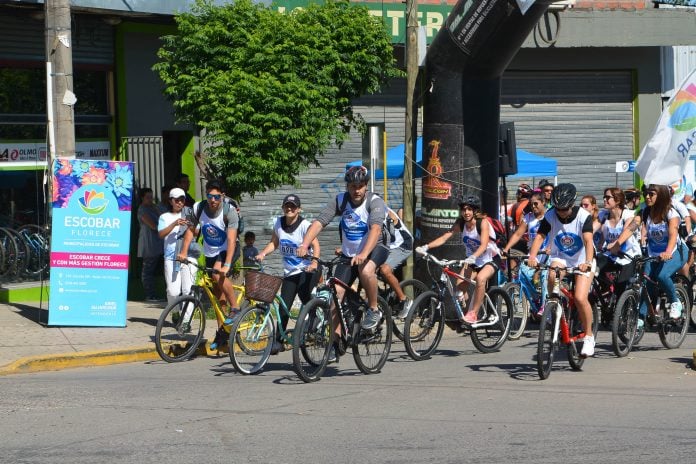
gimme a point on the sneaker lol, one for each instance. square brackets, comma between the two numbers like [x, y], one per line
[587, 347]
[371, 319]
[640, 325]
[214, 346]
[470, 318]
[231, 316]
[154, 299]
[332, 355]
[175, 317]
[405, 307]
[278, 347]
[675, 310]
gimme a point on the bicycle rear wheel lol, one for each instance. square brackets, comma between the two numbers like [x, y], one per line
[37, 239]
[546, 347]
[490, 338]
[520, 310]
[371, 347]
[574, 328]
[180, 329]
[412, 288]
[672, 332]
[424, 326]
[251, 339]
[625, 323]
[311, 340]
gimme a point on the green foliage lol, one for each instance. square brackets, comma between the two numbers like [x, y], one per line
[272, 91]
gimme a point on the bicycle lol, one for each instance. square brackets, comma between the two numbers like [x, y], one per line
[254, 330]
[560, 325]
[526, 295]
[315, 327]
[425, 321]
[181, 324]
[411, 288]
[625, 330]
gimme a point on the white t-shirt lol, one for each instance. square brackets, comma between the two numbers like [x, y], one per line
[289, 240]
[611, 233]
[472, 241]
[170, 239]
[658, 234]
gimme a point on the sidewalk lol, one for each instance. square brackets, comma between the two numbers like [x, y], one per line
[28, 345]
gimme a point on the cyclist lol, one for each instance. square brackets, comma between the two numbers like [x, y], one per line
[219, 241]
[660, 233]
[526, 232]
[399, 251]
[300, 275]
[482, 253]
[362, 217]
[589, 204]
[619, 226]
[570, 231]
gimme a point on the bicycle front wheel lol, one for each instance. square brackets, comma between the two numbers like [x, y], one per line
[625, 323]
[251, 339]
[412, 288]
[180, 329]
[371, 347]
[311, 340]
[496, 308]
[520, 310]
[424, 326]
[672, 332]
[546, 346]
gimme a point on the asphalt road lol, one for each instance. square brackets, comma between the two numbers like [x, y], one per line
[460, 406]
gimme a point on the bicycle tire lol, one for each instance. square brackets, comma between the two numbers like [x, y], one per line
[371, 348]
[490, 338]
[424, 326]
[574, 327]
[37, 239]
[10, 265]
[692, 287]
[625, 323]
[520, 310]
[546, 348]
[251, 339]
[312, 339]
[411, 288]
[23, 256]
[173, 341]
[672, 332]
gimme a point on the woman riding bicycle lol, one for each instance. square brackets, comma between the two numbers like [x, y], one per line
[570, 230]
[661, 233]
[478, 238]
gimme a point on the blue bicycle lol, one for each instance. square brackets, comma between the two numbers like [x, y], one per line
[526, 292]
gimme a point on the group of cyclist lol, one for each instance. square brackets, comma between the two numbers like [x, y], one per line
[549, 228]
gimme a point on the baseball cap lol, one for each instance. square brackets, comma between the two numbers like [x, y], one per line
[293, 199]
[176, 193]
[524, 189]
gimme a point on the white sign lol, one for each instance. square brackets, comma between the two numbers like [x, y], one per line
[33, 154]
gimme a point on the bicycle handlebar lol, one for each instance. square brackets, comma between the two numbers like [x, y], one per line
[442, 262]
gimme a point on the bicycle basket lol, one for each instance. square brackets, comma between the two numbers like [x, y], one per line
[261, 287]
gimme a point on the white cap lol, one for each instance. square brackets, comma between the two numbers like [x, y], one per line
[176, 193]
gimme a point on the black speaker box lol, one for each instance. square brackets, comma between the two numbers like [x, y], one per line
[507, 149]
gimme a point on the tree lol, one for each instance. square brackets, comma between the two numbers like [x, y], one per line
[272, 91]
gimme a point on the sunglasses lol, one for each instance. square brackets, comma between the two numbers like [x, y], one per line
[179, 199]
[214, 196]
[548, 190]
[650, 194]
[608, 197]
[537, 203]
[290, 206]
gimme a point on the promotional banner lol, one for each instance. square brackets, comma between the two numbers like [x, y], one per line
[664, 158]
[90, 242]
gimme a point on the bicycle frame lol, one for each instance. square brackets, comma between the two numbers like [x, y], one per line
[558, 293]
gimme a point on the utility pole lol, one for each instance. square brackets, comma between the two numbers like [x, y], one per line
[411, 121]
[59, 80]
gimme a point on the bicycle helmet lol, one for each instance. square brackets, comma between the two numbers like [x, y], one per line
[563, 196]
[471, 201]
[356, 175]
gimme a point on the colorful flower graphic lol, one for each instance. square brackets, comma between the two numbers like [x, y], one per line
[71, 174]
[93, 202]
[683, 109]
[120, 179]
[95, 175]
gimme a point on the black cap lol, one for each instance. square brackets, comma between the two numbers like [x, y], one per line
[292, 198]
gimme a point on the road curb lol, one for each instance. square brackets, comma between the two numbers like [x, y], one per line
[79, 359]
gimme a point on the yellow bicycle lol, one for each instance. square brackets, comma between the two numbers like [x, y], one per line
[181, 325]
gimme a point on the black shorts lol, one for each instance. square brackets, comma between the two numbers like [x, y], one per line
[347, 273]
[211, 260]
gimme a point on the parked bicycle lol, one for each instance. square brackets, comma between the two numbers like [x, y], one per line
[315, 328]
[425, 321]
[626, 331]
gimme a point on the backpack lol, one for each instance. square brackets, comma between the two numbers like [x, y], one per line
[388, 232]
[227, 203]
[501, 238]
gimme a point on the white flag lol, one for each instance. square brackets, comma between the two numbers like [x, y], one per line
[663, 159]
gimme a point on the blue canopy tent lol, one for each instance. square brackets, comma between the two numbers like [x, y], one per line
[528, 164]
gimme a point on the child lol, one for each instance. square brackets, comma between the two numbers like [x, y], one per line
[249, 252]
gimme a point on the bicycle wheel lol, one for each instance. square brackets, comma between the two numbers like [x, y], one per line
[692, 292]
[251, 339]
[371, 347]
[11, 264]
[311, 340]
[673, 331]
[22, 257]
[37, 239]
[490, 338]
[179, 329]
[575, 327]
[625, 323]
[546, 347]
[423, 326]
[411, 288]
[520, 310]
